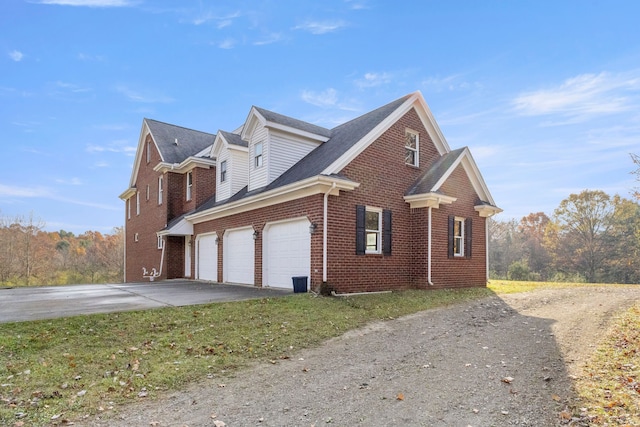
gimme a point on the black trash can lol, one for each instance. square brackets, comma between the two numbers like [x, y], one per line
[299, 284]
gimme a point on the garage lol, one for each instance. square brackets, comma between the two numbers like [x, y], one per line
[238, 256]
[207, 249]
[286, 252]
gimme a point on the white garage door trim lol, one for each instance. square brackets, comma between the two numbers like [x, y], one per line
[238, 256]
[207, 257]
[286, 252]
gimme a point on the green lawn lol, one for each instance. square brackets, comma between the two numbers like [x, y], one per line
[56, 371]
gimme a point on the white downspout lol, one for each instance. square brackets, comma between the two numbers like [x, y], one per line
[429, 251]
[486, 243]
[324, 233]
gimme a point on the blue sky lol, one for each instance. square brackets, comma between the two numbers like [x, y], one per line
[545, 93]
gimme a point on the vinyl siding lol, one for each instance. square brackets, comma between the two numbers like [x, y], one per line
[258, 176]
[237, 170]
[223, 189]
[285, 151]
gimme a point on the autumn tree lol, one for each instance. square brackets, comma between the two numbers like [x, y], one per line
[532, 229]
[624, 265]
[505, 246]
[585, 223]
[636, 160]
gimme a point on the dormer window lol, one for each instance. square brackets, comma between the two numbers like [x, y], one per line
[258, 155]
[223, 171]
[411, 146]
[189, 185]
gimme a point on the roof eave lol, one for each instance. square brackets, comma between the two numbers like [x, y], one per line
[319, 184]
[428, 200]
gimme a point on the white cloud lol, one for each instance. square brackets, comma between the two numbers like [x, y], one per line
[373, 79]
[71, 87]
[87, 57]
[220, 21]
[113, 147]
[16, 55]
[451, 83]
[89, 3]
[357, 4]
[24, 192]
[583, 96]
[271, 38]
[147, 98]
[227, 44]
[317, 27]
[328, 98]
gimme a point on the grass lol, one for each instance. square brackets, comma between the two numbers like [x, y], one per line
[609, 389]
[53, 372]
[61, 370]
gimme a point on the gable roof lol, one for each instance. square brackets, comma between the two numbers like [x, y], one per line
[441, 167]
[233, 139]
[189, 142]
[286, 121]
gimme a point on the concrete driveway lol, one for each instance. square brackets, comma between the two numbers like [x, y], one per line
[33, 303]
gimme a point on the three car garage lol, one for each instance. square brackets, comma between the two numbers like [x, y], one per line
[286, 253]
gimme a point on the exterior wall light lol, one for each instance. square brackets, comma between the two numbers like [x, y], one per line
[255, 235]
[313, 227]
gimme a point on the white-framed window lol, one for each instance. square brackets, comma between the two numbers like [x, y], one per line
[137, 203]
[223, 171]
[373, 230]
[135, 237]
[458, 237]
[189, 184]
[148, 191]
[411, 147]
[160, 242]
[129, 208]
[160, 189]
[148, 151]
[258, 155]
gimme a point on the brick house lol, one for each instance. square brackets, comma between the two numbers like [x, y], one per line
[378, 203]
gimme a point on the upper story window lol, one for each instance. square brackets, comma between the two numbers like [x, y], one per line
[148, 151]
[129, 208]
[160, 242]
[148, 191]
[258, 155]
[223, 171]
[189, 184]
[160, 189]
[411, 146]
[137, 203]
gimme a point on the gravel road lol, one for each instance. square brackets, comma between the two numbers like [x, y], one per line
[499, 361]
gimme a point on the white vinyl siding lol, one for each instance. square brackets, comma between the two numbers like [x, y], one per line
[223, 189]
[258, 175]
[285, 151]
[237, 170]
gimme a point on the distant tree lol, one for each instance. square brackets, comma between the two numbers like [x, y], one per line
[533, 229]
[584, 224]
[636, 159]
[624, 266]
[505, 247]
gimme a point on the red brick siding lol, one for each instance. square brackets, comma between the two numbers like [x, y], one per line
[310, 207]
[152, 218]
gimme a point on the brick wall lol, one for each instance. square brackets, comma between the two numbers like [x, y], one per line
[153, 217]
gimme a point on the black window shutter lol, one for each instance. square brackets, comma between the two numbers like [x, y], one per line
[467, 237]
[386, 232]
[360, 230]
[452, 220]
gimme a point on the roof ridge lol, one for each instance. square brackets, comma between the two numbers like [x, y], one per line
[178, 126]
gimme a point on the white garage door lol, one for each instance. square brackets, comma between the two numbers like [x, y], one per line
[238, 256]
[207, 257]
[287, 252]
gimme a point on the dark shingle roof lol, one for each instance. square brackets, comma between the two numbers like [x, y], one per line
[294, 123]
[428, 179]
[342, 138]
[190, 141]
[233, 138]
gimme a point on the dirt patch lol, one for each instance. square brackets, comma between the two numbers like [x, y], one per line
[499, 361]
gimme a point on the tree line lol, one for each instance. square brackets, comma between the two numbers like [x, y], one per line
[29, 255]
[590, 237]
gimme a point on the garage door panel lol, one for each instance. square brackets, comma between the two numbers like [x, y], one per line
[239, 256]
[287, 252]
[208, 258]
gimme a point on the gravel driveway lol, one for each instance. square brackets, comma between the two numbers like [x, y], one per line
[442, 367]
